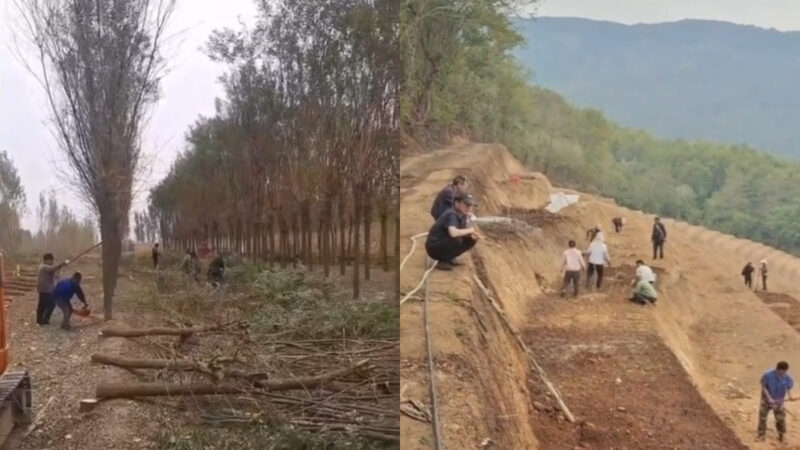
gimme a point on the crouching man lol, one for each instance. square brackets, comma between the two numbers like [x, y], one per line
[63, 293]
[449, 236]
[643, 291]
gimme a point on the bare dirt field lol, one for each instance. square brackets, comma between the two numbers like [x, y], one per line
[688, 367]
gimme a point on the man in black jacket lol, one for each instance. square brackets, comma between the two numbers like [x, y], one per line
[747, 273]
[658, 238]
[449, 237]
[444, 199]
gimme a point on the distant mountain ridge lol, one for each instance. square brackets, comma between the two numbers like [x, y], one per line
[692, 79]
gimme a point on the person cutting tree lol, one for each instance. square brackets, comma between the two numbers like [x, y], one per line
[63, 293]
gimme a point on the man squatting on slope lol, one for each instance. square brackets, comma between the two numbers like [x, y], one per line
[572, 265]
[444, 199]
[46, 280]
[775, 386]
[643, 291]
[644, 271]
[449, 236]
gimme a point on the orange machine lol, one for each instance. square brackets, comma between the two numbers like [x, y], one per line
[15, 387]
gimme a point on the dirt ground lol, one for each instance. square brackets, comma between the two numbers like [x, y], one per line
[695, 358]
[61, 373]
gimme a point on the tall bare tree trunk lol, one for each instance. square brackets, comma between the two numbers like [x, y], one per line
[342, 241]
[384, 252]
[111, 253]
[367, 230]
[356, 247]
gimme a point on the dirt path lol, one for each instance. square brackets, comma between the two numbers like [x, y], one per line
[705, 344]
[60, 369]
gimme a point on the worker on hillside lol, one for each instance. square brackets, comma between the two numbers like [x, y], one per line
[618, 222]
[763, 271]
[216, 270]
[572, 265]
[747, 273]
[643, 292]
[658, 238]
[776, 386]
[46, 280]
[63, 293]
[444, 199]
[449, 236]
[598, 257]
[644, 272]
[156, 253]
[592, 233]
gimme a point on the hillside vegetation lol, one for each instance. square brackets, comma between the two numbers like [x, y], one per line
[689, 79]
[462, 78]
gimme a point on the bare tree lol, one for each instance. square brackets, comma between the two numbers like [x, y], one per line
[100, 64]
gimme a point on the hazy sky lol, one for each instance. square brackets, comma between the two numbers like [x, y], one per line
[191, 87]
[188, 90]
[780, 14]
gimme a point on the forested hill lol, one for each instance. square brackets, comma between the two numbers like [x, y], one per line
[690, 79]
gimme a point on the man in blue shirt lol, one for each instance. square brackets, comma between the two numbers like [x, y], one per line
[63, 293]
[776, 385]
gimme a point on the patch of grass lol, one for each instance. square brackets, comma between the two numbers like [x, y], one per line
[261, 438]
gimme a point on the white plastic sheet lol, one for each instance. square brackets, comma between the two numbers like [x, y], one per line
[560, 201]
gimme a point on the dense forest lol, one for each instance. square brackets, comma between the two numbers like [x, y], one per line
[466, 46]
[299, 163]
[695, 79]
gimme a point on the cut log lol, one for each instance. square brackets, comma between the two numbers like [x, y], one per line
[174, 364]
[88, 404]
[122, 390]
[120, 331]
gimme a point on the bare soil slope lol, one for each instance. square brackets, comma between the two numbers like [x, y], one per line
[688, 368]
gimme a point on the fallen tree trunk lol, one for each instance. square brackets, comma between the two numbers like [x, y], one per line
[119, 331]
[174, 364]
[123, 390]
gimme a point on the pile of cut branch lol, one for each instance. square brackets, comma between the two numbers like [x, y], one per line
[228, 376]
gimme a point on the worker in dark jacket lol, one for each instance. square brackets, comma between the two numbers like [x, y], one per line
[747, 273]
[658, 238]
[216, 270]
[156, 253]
[444, 200]
[63, 293]
[618, 222]
[449, 236]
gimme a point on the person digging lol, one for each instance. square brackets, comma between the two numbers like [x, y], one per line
[776, 386]
[643, 291]
[449, 237]
[63, 293]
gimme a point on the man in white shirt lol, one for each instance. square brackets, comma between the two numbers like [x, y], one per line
[644, 272]
[598, 258]
[572, 266]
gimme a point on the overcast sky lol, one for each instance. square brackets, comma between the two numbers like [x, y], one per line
[191, 87]
[779, 14]
[188, 91]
